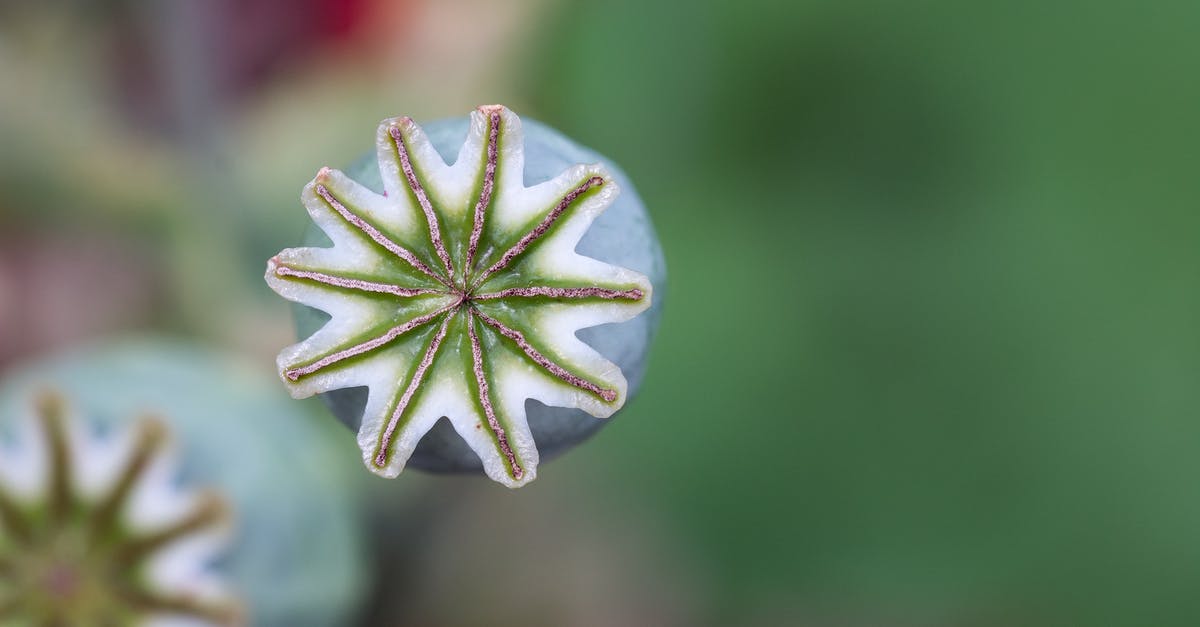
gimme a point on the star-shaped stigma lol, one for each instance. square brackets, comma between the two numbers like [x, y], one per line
[98, 532]
[457, 293]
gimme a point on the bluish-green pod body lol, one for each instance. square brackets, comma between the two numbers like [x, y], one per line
[621, 235]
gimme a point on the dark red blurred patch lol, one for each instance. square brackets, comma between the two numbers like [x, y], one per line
[342, 19]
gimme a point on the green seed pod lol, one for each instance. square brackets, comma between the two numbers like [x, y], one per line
[478, 315]
[215, 510]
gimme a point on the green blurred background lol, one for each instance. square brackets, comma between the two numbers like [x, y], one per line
[958, 382]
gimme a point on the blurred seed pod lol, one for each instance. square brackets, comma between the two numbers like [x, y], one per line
[271, 475]
[94, 531]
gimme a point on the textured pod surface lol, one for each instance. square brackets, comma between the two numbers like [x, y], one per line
[543, 221]
[290, 493]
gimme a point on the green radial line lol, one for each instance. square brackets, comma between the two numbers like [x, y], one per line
[417, 189]
[210, 511]
[549, 293]
[340, 281]
[540, 230]
[538, 356]
[145, 602]
[483, 401]
[50, 412]
[374, 233]
[12, 519]
[487, 184]
[411, 392]
[360, 348]
[151, 436]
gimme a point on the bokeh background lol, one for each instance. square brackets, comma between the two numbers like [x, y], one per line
[929, 354]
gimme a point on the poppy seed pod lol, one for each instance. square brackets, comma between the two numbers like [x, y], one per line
[478, 294]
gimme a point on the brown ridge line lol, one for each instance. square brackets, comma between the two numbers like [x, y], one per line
[353, 284]
[435, 233]
[406, 398]
[358, 349]
[563, 292]
[489, 184]
[375, 235]
[540, 229]
[545, 362]
[486, 401]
